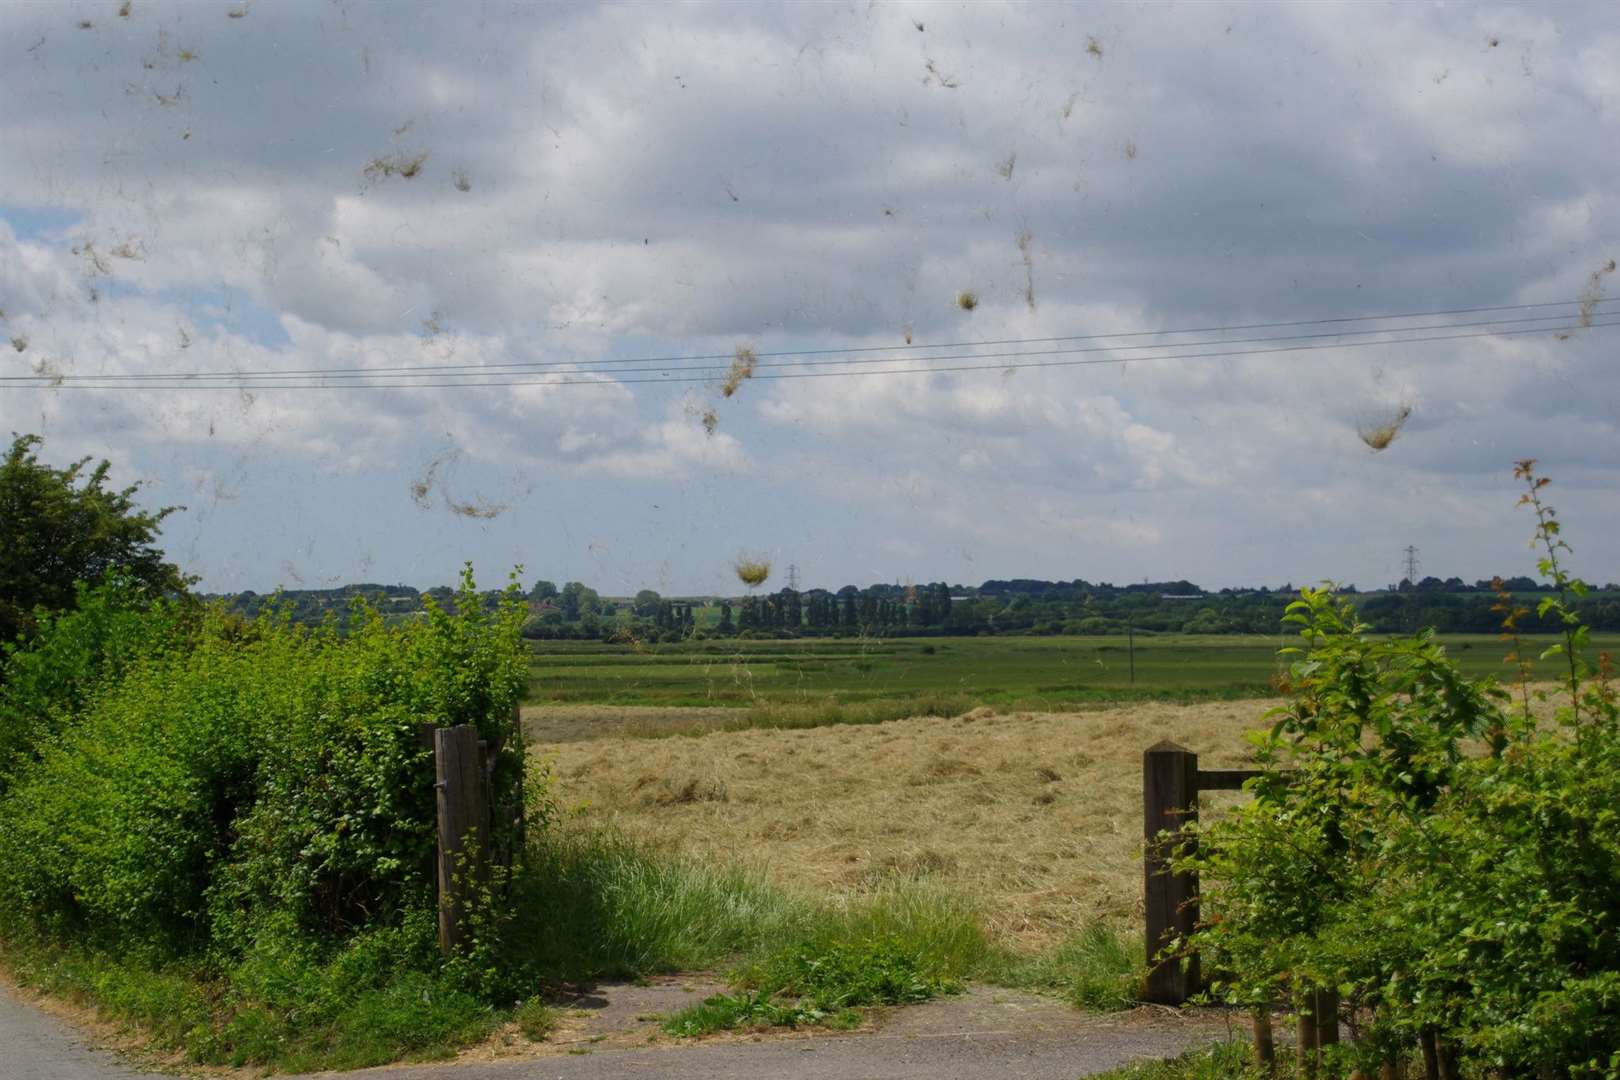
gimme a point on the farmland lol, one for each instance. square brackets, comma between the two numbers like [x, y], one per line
[1037, 673]
[1021, 788]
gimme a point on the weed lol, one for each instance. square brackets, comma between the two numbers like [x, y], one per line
[19, 343]
[820, 984]
[1094, 48]
[1093, 969]
[1219, 1062]
[462, 180]
[710, 421]
[1005, 168]
[535, 1019]
[967, 299]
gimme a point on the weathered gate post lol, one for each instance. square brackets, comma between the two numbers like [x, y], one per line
[1169, 798]
[463, 835]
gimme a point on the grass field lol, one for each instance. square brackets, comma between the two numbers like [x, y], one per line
[1035, 816]
[1022, 791]
[1022, 672]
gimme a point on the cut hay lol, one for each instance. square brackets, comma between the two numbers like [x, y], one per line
[742, 369]
[1037, 816]
[1593, 293]
[1379, 435]
[752, 570]
[408, 166]
[1025, 240]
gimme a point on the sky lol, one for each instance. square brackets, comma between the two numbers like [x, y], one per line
[197, 197]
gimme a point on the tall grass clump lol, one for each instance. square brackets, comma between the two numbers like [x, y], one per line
[249, 807]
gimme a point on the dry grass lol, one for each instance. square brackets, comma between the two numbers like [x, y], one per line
[1378, 435]
[1593, 293]
[742, 368]
[752, 570]
[1037, 815]
[408, 166]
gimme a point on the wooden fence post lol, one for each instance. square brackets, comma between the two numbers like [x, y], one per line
[463, 831]
[1169, 798]
[1265, 1048]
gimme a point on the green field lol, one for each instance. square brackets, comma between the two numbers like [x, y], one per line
[1028, 672]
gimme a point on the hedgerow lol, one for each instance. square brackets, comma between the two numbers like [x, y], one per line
[253, 803]
[1441, 854]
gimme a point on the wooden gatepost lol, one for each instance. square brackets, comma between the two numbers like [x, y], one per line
[461, 785]
[1171, 783]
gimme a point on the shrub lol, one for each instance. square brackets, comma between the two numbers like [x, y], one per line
[258, 807]
[49, 680]
[1440, 854]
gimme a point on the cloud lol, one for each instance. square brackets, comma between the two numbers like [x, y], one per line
[604, 184]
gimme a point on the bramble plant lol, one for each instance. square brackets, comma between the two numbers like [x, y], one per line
[250, 804]
[1441, 855]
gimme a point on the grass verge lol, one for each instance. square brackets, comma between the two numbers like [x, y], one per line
[613, 910]
[590, 905]
[410, 1016]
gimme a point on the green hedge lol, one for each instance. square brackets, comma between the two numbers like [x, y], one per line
[250, 800]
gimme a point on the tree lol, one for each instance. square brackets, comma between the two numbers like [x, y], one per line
[646, 603]
[59, 527]
[578, 599]
[543, 590]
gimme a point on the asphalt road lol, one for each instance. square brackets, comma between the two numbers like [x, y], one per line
[35, 1046]
[611, 1033]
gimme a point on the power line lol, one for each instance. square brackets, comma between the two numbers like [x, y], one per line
[258, 381]
[580, 367]
[893, 352]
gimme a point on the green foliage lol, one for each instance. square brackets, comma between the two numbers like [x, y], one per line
[1223, 1061]
[535, 1019]
[61, 528]
[255, 807]
[802, 986]
[1445, 859]
[1093, 969]
[49, 680]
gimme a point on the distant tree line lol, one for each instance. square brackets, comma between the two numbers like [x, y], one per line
[1017, 606]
